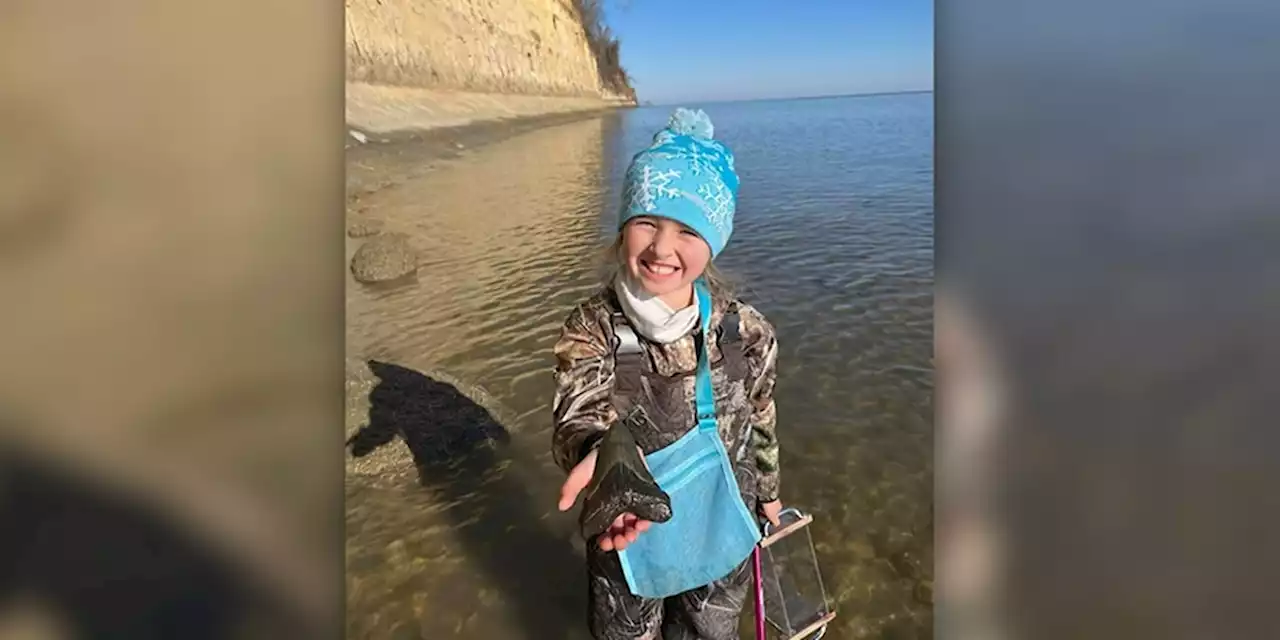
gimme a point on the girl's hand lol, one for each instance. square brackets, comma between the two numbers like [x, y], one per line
[771, 510]
[578, 480]
[623, 532]
[624, 529]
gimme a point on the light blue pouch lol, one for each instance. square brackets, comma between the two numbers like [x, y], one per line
[711, 531]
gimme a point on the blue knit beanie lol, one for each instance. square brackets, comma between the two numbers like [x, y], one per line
[687, 176]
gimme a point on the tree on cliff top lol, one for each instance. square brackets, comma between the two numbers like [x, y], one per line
[604, 46]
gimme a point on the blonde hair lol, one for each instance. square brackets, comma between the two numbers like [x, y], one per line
[612, 263]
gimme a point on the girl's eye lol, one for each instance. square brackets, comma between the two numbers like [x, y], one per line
[645, 223]
[689, 232]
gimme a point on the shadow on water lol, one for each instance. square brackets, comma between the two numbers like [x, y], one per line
[457, 447]
[101, 564]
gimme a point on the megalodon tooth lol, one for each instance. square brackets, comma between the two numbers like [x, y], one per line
[621, 483]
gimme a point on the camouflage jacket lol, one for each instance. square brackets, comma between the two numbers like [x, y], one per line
[587, 400]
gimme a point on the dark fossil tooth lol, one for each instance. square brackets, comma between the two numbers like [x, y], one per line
[621, 484]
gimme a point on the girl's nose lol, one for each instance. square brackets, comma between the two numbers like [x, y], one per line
[664, 242]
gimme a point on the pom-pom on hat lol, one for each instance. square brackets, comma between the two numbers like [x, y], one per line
[685, 175]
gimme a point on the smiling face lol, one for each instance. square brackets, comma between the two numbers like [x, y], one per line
[665, 257]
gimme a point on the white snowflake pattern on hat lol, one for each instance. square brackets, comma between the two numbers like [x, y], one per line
[651, 186]
[717, 202]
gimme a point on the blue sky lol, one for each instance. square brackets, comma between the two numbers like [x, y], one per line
[708, 50]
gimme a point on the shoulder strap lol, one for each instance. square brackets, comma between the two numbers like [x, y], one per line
[732, 349]
[730, 329]
[629, 363]
[628, 355]
[626, 342]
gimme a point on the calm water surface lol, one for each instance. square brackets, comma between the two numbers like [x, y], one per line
[834, 242]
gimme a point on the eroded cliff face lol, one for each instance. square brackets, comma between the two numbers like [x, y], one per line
[521, 47]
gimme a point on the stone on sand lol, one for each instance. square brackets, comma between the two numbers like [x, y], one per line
[383, 258]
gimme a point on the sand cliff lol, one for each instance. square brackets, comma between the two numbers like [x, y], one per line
[415, 64]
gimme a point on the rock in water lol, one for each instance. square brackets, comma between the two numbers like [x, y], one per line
[363, 228]
[621, 484]
[360, 383]
[385, 257]
[907, 565]
[923, 592]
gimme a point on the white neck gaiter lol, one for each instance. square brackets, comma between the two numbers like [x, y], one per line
[650, 316]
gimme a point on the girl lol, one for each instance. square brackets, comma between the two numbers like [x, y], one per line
[667, 339]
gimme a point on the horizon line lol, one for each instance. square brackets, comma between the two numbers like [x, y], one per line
[870, 94]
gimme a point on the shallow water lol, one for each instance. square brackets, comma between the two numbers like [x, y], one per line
[833, 242]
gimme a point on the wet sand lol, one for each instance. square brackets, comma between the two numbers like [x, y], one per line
[387, 159]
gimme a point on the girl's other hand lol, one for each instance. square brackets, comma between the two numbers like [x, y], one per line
[771, 511]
